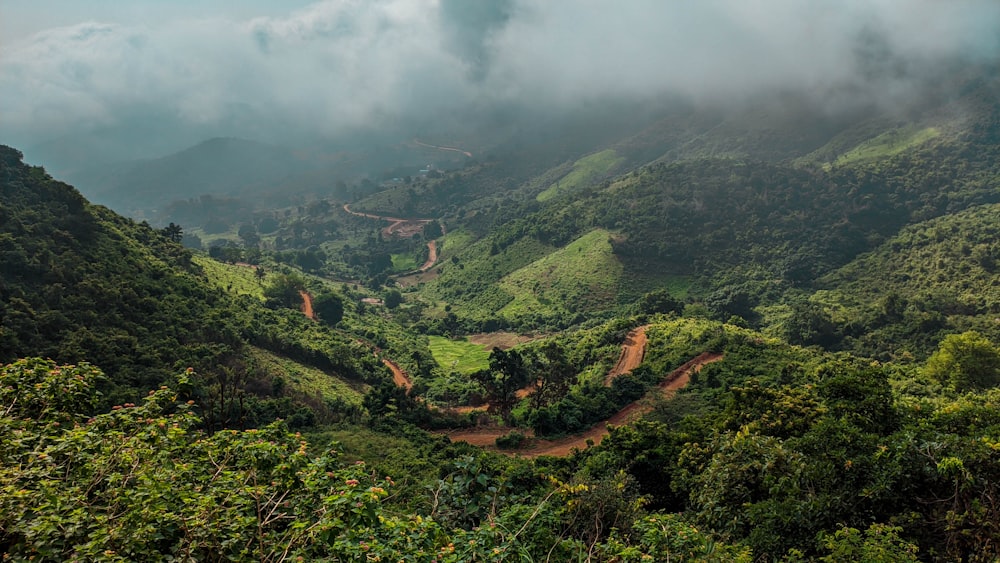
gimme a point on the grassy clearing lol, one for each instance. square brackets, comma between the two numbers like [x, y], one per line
[455, 241]
[886, 145]
[308, 380]
[582, 276]
[404, 262]
[461, 356]
[678, 286]
[585, 170]
[238, 280]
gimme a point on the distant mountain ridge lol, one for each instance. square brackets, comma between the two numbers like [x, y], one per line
[219, 166]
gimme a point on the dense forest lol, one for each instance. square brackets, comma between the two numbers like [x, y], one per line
[700, 337]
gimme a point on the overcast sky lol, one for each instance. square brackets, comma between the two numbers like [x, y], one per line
[323, 67]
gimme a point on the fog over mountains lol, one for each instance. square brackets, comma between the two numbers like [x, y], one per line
[186, 73]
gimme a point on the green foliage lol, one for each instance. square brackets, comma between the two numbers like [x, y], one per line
[307, 382]
[810, 325]
[104, 289]
[667, 537]
[40, 391]
[511, 441]
[237, 280]
[284, 290]
[458, 355]
[660, 301]
[878, 543]
[329, 307]
[588, 169]
[965, 361]
[392, 298]
[582, 276]
[404, 262]
[432, 230]
[80, 283]
[939, 275]
[888, 144]
[508, 372]
[139, 483]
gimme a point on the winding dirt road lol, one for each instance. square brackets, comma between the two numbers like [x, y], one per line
[633, 351]
[453, 149]
[397, 225]
[432, 256]
[632, 354]
[404, 228]
[678, 379]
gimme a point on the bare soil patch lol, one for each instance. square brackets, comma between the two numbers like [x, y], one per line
[432, 256]
[398, 226]
[633, 352]
[502, 340]
[399, 377]
[307, 305]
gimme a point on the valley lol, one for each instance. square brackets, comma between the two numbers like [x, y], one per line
[712, 335]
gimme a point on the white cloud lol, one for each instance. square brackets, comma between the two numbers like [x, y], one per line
[341, 64]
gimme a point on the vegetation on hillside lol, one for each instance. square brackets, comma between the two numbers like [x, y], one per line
[807, 313]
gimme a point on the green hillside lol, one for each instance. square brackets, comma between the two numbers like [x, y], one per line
[585, 171]
[583, 276]
[887, 144]
[80, 283]
[933, 278]
[775, 338]
[238, 280]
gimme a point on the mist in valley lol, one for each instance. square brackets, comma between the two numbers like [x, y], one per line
[341, 89]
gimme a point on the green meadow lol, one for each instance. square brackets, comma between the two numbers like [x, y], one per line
[459, 356]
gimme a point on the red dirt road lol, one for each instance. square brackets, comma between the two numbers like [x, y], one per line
[677, 379]
[307, 305]
[633, 351]
[453, 149]
[397, 226]
[432, 256]
[399, 377]
[404, 228]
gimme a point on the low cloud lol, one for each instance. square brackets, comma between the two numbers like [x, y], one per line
[351, 64]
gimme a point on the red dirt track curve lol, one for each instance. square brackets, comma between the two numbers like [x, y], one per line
[633, 351]
[307, 305]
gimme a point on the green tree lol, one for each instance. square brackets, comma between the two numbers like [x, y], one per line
[285, 290]
[329, 307]
[508, 372]
[432, 230]
[393, 298]
[142, 483]
[965, 361]
[660, 301]
[810, 324]
[878, 543]
[248, 234]
[173, 232]
[554, 373]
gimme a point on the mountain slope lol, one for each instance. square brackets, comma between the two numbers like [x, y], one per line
[80, 283]
[744, 232]
[220, 166]
[934, 277]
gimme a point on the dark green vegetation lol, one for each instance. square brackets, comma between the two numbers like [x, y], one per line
[81, 283]
[840, 273]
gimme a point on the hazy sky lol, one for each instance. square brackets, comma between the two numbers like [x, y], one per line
[70, 65]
